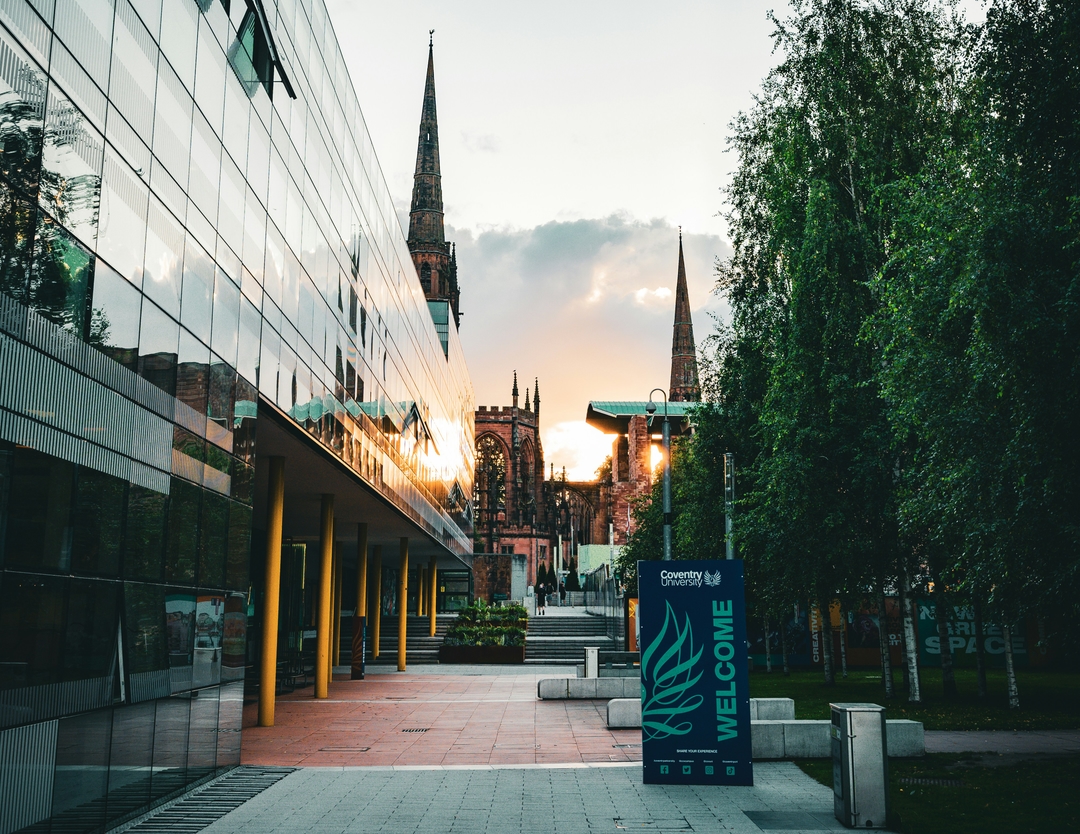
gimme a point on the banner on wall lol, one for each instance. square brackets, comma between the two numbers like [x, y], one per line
[960, 626]
[695, 699]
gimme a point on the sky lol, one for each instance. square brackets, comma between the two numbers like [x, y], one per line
[575, 139]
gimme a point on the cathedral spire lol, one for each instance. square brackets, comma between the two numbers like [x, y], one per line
[426, 214]
[536, 398]
[432, 256]
[514, 393]
[684, 372]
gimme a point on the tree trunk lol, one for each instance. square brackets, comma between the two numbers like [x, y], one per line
[843, 645]
[883, 642]
[783, 647]
[1010, 669]
[826, 644]
[941, 615]
[911, 648]
[768, 647]
[980, 648]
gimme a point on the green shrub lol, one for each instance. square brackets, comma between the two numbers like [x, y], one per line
[479, 624]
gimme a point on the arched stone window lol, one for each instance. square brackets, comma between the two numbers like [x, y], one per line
[489, 495]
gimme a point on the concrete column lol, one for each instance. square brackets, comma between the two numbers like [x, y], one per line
[361, 597]
[335, 651]
[326, 577]
[421, 596]
[433, 590]
[376, 598]
[271, 592]
[402, 600]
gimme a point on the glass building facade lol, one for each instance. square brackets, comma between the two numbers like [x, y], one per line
[195, 238]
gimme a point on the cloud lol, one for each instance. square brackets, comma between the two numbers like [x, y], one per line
[486, 143]
[585, 305]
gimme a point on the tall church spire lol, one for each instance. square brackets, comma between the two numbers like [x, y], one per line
[684, 371]
[427, 242]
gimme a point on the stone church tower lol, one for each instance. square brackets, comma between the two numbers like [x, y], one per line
[434, 258]
[684, 370]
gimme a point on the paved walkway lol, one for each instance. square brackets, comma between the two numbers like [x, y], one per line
[464, 748]
[533, 800]
[1003, 741]
[471, 749]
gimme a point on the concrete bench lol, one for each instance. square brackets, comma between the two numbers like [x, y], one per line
[563, 689]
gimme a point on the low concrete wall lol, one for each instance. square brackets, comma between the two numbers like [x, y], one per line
[786, 738]
[772, 709]
[810, 739]
[562, 689]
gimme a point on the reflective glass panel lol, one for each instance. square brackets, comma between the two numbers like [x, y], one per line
[193, 373]
[60, 277]
[71, 162]
[122, 224]
[183, 533]
[99, 513]
[114, 318]
[213, 539]
[81, 777]
[196, 304]
[39, 512]
[170, 743]
[144, 534]
[31, 631]
[202, 734]
[22, 114]
[145, 645]
[164, 258]
[131, 759]
[158, 342]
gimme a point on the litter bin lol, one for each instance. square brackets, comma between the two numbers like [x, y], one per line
[860, 765]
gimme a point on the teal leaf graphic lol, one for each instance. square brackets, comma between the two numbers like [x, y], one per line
[667, 671]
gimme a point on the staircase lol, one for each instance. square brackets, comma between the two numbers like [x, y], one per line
[419, 647]
[562, 639]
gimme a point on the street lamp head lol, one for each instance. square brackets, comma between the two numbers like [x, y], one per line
[650, 408]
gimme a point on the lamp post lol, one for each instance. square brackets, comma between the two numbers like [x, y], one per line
[666, 440]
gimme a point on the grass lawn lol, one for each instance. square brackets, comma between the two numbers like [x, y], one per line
[996, 795]
[1048, 700]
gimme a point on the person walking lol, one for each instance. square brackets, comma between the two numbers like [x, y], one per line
[541, 598]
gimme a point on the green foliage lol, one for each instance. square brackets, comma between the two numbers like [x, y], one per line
[480, 624]
[900, 378]
[998, 795]
[1050, 701]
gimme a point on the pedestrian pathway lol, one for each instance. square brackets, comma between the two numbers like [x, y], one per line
[458, 717]
[471, 749]
[564, 800]
[1003, 741]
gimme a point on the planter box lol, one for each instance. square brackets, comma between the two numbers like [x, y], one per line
[481, 654]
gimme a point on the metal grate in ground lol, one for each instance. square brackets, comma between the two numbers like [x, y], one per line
[207, 805]
[947, 783]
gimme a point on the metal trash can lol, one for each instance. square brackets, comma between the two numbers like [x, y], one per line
[592, 662]
[860, 765]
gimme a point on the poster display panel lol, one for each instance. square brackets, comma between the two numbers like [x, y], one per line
[695, 697]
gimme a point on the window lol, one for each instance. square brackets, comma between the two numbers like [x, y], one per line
[250, 57]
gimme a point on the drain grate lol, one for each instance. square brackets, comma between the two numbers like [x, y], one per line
[669, 824]
[207, 805]
[344, 749]
[627, 745]
[416, 729]
[945, 783]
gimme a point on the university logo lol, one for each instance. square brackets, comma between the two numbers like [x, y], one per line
[712, 579]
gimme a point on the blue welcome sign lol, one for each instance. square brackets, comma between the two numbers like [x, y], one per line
[695, 698]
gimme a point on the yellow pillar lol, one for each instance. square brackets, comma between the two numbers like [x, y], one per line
[433, 589]
[335, 653]
[421, 596]
[361, 569]
[271, 592]
[402, 600]
[326, 575]
[376, 598]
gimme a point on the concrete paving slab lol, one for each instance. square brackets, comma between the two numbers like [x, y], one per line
[582, 799]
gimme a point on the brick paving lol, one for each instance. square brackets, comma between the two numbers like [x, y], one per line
[466, 718]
